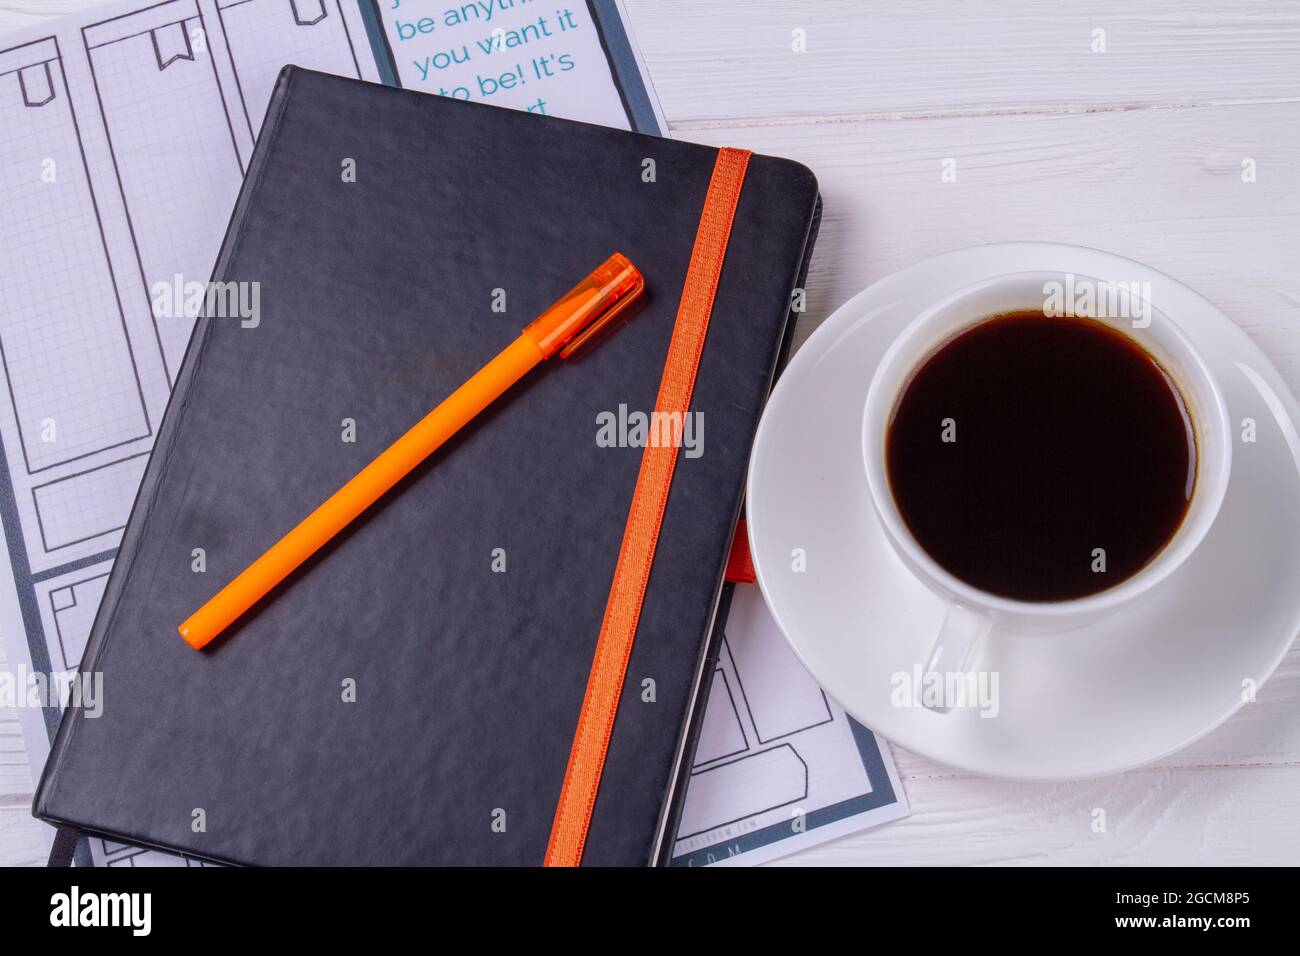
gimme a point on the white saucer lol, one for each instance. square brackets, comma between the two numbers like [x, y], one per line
[1092, 701]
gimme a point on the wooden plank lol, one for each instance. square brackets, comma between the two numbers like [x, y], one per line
[1162, 186]
[722, 62]
[22, 842]
[15, 776]
[22, 838]
[1153, 817]
[715, 63]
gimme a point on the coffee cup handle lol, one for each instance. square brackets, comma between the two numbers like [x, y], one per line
[954, 649]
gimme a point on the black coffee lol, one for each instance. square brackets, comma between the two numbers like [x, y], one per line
[1041, 458]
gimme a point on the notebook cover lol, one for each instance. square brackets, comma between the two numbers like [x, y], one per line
[376, 301]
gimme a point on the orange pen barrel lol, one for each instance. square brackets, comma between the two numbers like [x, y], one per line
[587, 307]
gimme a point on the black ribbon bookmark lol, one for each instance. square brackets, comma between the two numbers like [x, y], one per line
[65, 846]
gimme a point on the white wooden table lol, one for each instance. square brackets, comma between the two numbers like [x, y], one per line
[1137, 150]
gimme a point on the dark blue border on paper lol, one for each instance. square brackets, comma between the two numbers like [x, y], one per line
[385, 62]
[881, 795]
[622, 64]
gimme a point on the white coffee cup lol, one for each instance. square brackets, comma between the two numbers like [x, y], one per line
[972, 613]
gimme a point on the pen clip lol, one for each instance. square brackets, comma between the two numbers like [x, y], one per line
[610, 314]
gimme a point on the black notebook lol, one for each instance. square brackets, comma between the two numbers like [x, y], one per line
[410, 695]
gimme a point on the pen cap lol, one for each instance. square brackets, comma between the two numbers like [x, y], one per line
[587, 308]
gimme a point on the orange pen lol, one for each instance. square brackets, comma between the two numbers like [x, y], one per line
[567, 325]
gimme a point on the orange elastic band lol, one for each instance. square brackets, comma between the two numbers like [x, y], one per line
[641, 535]
[740, 566]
